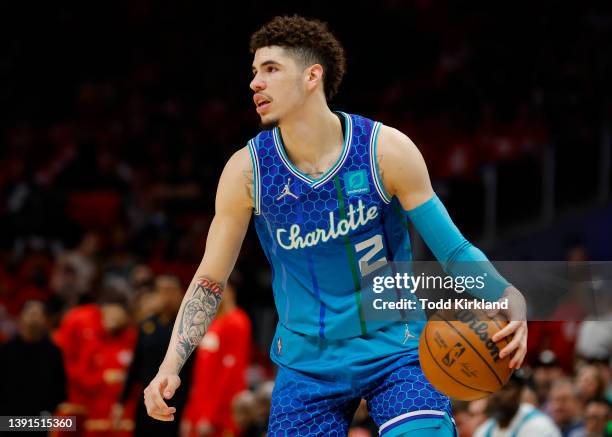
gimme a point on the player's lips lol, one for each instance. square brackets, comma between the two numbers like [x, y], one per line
[261, 102]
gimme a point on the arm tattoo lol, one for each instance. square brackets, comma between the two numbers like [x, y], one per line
[198, 312]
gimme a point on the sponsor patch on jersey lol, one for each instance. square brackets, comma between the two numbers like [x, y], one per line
[356, 182]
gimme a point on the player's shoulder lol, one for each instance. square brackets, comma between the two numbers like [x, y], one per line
[237, 166]
[394, 142]
[240, 159]
[397, 156]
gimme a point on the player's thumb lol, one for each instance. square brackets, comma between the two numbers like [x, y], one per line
[173, 383]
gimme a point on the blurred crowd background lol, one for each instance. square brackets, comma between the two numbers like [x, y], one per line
[117, 119]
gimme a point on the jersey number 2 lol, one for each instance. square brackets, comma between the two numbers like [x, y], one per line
[374, 246]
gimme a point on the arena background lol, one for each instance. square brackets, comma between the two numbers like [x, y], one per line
[118, 116]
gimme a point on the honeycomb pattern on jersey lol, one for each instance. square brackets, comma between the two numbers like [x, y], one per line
[303, 406]
[403, 390]
[312, 207]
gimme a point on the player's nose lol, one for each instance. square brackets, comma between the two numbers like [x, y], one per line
[257, 84]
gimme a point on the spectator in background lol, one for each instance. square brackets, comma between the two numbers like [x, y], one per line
[546, 371]
[79, 327]
[469, 416]
[595, 336]
[263, 398]
[143, 298]
[510, 417]
[244, 405]
[564, 406]
[559, 333]
[74, 270]
[34, 379]
[251, 409]
[153, 336]
[103, 365]
[220, 370]
[589, 384]
[597, 420]
[460, 412]
[478, 413]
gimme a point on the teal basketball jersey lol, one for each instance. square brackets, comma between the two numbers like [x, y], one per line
[322, 236]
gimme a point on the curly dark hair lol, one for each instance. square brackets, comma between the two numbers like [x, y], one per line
[308, 39]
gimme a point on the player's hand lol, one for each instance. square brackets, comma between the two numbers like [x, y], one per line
[160, 388]
[517, 327]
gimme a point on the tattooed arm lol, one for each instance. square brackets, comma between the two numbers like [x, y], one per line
[233, 208]
[196, 317]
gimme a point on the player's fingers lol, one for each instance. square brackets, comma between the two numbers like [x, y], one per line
[156, 413]
[518, 345]
[162, 417]
[512, 345]
[517, 359]
[519, 355]
[171, 387]
[157, 403]
[148, 405]
[506, 330]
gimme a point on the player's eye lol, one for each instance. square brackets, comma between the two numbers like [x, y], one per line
[271, 69]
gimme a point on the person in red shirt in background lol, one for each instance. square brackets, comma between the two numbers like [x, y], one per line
[97, 342]
[80, 326]
[559, 334]
[103, 368]
[220, 371]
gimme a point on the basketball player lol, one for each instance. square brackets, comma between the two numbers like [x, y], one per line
[331, 194]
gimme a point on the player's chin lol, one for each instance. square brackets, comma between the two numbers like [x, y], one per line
[268, 122]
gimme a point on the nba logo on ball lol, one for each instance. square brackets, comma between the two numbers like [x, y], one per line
[356, 182]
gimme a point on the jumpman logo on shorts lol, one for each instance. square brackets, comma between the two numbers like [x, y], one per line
[407, 334]
[287, 191]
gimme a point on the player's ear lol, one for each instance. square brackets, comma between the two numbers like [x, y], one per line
[313, 76]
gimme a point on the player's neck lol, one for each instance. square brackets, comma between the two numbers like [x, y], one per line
[311, 132]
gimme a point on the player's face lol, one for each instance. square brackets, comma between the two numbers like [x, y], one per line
[278, 83]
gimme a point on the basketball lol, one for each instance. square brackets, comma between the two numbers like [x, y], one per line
[458, 356]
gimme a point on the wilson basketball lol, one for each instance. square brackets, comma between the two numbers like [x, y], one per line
[458, 356]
